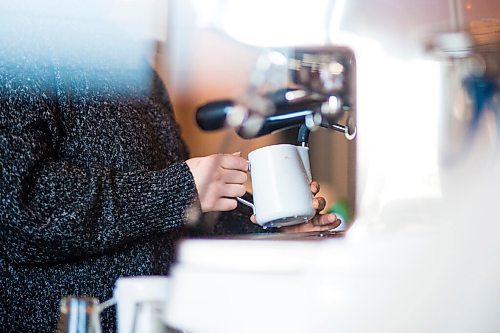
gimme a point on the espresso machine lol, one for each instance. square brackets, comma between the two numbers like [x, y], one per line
[320, 92]
[421, 97]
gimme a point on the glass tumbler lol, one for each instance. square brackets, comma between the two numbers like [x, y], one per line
[79, 315]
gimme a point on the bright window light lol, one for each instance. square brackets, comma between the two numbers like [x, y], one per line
[270, 23]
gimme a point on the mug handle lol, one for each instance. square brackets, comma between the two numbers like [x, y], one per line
[246, 203]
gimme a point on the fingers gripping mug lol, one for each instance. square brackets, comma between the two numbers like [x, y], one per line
[281, 177]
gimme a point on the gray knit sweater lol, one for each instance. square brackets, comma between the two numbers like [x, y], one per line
[93, 184]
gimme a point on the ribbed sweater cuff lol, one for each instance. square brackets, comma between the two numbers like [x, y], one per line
[159, 200]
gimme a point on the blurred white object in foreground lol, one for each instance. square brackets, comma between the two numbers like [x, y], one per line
[239, 286]
[436, 280]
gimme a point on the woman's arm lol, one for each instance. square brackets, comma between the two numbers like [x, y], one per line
[52, 210]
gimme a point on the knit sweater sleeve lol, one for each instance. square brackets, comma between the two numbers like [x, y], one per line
[52, 210]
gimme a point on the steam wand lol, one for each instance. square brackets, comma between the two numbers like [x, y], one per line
[212, 116]
[304, 131]
[303, 136]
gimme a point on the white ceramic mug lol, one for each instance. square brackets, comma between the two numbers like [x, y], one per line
[281, 177]
[140, 303]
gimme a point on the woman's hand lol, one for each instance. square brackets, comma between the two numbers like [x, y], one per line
[320, 222]
[219, 179]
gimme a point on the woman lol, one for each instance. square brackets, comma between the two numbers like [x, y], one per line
[96, 182]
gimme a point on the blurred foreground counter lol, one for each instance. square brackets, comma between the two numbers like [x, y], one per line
[418, 280]
[255, 283]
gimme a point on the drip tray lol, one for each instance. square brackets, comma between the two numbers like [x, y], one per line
[316, 235]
